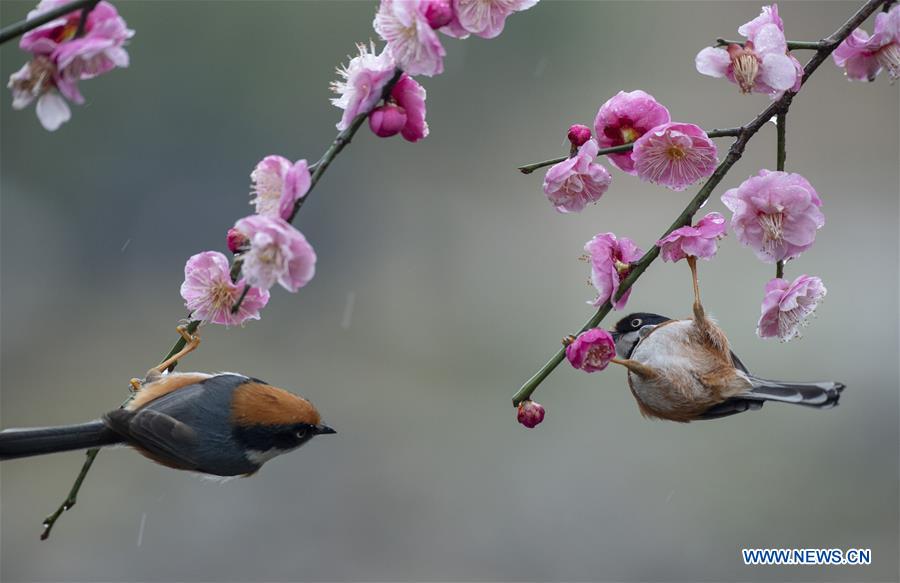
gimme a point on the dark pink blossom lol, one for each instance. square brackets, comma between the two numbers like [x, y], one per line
[485, 18]
[210, 294]
[236, 241]
[387, 120]
[675, 155]
[573, 183]
[611, 261]
[530, 413]
[409, 95]
[862, 56]
[776, 214]
[592, 350]
[623, 119]
[762, 64]
[578, 135]
[788, 305]
[701, 240]
[411, 40]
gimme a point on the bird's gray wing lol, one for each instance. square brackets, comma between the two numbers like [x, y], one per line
[738, 364]
[730, 407]
[164, 438]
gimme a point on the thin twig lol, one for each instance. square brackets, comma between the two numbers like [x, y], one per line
[529, 168]
[70, 500]
[734, 154]
[780, 158]
[792, 45]
[23, 26]
[82, 22]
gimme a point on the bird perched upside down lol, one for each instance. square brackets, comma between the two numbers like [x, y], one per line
[220, 424]
[684, 370]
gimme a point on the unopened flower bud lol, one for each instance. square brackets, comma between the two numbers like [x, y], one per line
[237, 241]
[438, 13]
[387, 120]
[530, 413]
[578, 135]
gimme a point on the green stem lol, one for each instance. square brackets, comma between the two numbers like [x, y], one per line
[781, 157]
[734, 154]
[529, 168]
[72, 498]
[792, 45]
[23, 26]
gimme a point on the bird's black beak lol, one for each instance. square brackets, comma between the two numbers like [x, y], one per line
[323, 430]
[615, 335]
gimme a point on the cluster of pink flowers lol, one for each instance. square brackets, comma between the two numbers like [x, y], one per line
[863, 57]
[674, 155]
[413, 47]
[762, 65]
[777, 215]
[269, 248]
[62, 58]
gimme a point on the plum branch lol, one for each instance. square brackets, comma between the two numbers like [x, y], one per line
[777, 108]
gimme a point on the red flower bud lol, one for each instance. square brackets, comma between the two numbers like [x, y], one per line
[387, 120]
[530, 413]
[578, 135]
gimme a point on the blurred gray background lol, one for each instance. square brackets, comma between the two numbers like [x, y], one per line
[462, 279]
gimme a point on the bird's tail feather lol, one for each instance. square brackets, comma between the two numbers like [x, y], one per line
[821, 395]
[16, 443]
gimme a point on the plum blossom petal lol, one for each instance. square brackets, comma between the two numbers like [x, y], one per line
[701, 240]
[210, 294]
[573, 183]
[278, 253]
[278, 184]
[623, 119]
[409, 95]
[411, 40]
[713, 61]
[362, 82]
[769, 15]
[787, 306]
[592, 350]
[486, 18]
[611, 260]
[675, 155]
[863, 57]
[52, 110]
[776, 214]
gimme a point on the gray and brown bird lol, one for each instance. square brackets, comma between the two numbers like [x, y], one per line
[684, 370]
[222, 424]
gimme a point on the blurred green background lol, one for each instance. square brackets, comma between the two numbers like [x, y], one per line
[445, 279]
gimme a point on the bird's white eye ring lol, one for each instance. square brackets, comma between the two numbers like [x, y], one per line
[301, 434]
[636, 322]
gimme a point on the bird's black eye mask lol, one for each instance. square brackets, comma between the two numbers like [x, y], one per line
[281, 436]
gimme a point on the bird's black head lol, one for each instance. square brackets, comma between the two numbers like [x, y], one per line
[626, 333]
[270, 440]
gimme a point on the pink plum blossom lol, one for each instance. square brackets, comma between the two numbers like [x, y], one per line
[210, 294]
[409, 95]
[623, 119]
[411, 41]
[362, 82]
[701, 240]
[573, 183]
[675, 155]
[862, 56]
[578, 134]
[787, 306]
[278, 253]
[592, 350]
[611, 261]
[278, 184]
[486, 18]
[762, 65]
[35, 80]
[387, 120]
[776, 214]
[530, 413]
[61, 60]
